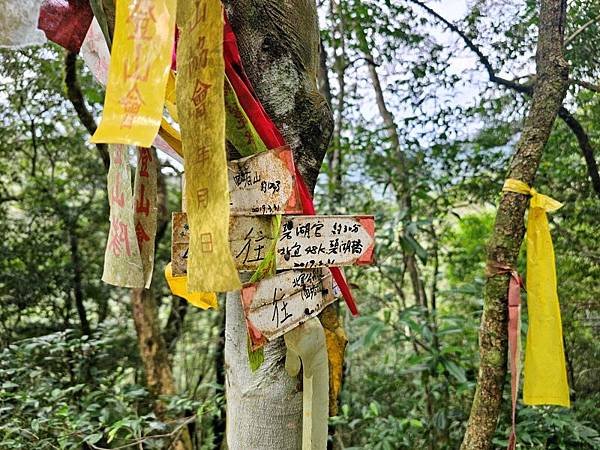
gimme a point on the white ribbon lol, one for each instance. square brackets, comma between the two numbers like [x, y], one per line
[306, 344]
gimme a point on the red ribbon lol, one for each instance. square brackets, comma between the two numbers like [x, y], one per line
[66, 22]
[269, 134]
[514, 331]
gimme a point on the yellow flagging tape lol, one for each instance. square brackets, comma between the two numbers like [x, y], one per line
[139, 69]
[545, 380]
[200, 104]
[178, 286]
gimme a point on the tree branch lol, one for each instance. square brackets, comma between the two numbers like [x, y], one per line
[584, 84]
[527, 89]
[584, 144]
[581, 29]
[522, 88]
[75, 96]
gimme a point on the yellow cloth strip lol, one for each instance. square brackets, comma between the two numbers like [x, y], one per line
[178, 286]
[138, 72]
[200, 103]
[545, 380]
[171, 136]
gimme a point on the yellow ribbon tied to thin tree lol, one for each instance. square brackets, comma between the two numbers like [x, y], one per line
[139, 69]
[545, 380]
[201, 110]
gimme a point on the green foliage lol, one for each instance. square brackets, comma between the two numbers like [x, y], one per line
[61, 390]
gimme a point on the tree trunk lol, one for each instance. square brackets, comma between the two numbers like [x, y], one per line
[77, 281]
[154, 355]
[279, 44]
[552, 74]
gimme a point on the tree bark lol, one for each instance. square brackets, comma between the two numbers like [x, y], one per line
[153, 352]
[552, 75]
[279, 44]
[75, 96]
[77, 282]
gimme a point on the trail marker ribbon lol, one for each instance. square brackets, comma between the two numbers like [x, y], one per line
[545, 379]
[201, 110]
[514, 338]
[139, 69]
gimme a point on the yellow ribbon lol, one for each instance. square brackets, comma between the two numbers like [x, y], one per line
[178, 286]
[139, 70]
[201, 108]
[545, 380]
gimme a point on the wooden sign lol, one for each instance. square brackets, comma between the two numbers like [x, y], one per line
[274, 306]
[180, 242]
[305, 242]
[264, 184]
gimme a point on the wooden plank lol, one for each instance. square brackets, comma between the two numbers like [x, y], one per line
[264, 184]
[276, 305]
[306, 242]
[180, 242]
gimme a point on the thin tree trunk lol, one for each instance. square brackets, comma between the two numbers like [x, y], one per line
[336, 155]
[279, 44]
[552, 75]
[405, 201]
[77, 286]
[153, 352]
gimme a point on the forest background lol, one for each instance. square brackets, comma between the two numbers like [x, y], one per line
[428, 102]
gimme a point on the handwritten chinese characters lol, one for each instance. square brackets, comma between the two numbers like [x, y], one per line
[275, 305]
[264, 184]
[305, 242]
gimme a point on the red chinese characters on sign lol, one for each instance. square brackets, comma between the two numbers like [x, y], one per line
[117, 197]
[118, 155]
[200, 57]
[203, 197]
[119, 238]
[206, 243]
[199, 60]
[143, 19]
[143, 204]
[199, 96]
[134, 69]
[201, 156]
[199, 16]
[141, 15]
[145, 158]
[141, 234]
[132, 103]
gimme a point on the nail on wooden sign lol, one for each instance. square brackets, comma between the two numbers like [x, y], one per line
[274, 306]
[305, 242]
[264, 184]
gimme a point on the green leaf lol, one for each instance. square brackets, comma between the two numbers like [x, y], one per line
[456, 371]
[93, 438]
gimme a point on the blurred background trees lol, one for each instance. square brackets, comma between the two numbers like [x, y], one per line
[424, 132]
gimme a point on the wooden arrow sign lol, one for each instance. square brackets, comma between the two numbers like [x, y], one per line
[264, 184]
[274, 306]
[305, 242]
